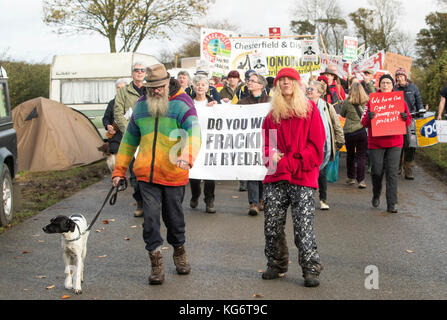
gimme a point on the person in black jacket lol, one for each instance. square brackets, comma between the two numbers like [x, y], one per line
[113, 133]
[413, 100]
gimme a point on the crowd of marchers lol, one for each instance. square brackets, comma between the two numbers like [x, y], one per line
[306, 117]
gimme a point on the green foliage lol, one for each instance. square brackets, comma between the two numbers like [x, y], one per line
[302, 27]
[433, 80]
[26, 81]
[363, 20]
[432, 40]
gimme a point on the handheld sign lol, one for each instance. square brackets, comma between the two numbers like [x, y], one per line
[350, 48]
[387, 107]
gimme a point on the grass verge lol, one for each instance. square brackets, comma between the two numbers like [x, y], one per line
[40, 190]
[434, 160]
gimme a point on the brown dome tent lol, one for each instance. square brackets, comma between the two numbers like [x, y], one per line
[52, 136]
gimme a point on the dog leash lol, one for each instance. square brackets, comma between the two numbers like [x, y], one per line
[122, 185]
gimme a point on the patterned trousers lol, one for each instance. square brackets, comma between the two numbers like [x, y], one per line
[278, 196]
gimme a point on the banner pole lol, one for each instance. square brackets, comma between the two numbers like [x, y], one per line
[324, 49]
[263, 37]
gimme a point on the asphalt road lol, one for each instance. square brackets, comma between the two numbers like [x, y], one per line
[226, 249]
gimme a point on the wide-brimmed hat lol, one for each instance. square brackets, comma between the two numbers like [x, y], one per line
[329, 71]
[157, 76]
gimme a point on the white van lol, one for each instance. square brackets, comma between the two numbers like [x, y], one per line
[86, 82]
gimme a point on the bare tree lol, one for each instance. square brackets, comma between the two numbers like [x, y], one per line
[131, 21]
[386, 32]
[404, 44]
[327, 18]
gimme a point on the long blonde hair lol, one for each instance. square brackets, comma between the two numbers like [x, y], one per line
[281, 109]
[357, 95]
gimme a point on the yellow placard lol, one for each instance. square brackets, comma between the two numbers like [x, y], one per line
[426, 132]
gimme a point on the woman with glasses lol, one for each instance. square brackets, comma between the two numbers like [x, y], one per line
[202, 100]
[384, 152]
[334, 136]
[255, 85]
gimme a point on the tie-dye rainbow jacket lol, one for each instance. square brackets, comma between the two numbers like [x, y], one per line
[162, 141]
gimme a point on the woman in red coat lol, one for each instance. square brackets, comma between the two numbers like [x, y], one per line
[384, 152]
[294, 137]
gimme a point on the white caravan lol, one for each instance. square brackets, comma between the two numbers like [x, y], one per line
[86, 82]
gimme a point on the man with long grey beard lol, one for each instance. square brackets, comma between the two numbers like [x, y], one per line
[164, 125]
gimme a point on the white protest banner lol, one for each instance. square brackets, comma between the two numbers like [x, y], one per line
[350, 48]
[231, 142]
[374, 62]
[441, 129]
[227, 51]
[342, 67]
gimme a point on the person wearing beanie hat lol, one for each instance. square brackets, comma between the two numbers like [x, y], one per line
[384, 151]
[287, 72]
[400, 72]
[294, 137]
[386, 76]
[413, 99]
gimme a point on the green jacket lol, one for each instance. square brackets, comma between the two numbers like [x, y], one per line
[227, 92]
[353, 120]
[126, 97]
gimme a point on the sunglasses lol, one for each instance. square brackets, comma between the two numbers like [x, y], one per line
[310, 89]
[139, 70]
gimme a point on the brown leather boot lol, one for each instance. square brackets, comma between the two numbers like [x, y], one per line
[157, 273]
[181, 261]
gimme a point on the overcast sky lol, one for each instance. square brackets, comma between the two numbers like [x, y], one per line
[23, 35]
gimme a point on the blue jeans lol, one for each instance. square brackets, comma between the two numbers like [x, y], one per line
[255, 189]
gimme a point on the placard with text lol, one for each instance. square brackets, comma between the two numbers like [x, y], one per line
[387, 107]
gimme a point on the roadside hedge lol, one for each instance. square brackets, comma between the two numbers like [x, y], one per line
[26, 81]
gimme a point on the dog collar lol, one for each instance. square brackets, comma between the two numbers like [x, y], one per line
[79, 236]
